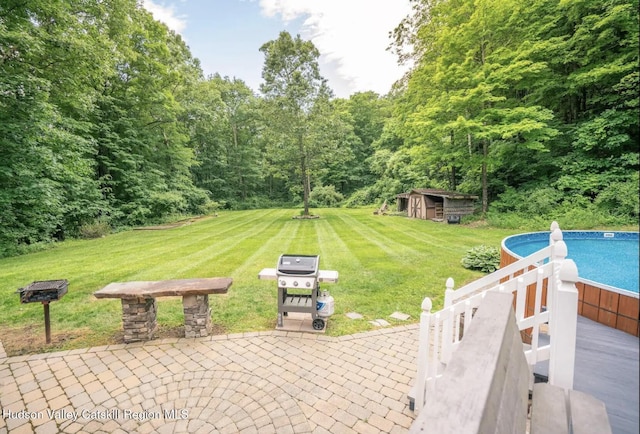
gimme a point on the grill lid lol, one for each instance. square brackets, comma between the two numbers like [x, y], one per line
[298, 264]
[45, 285]
[43, 290]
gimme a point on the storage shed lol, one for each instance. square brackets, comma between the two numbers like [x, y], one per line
[438, 205]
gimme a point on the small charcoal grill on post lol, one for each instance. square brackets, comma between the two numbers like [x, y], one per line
[44, 291]
[298, 278]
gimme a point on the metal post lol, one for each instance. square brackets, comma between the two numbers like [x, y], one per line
[47, 323]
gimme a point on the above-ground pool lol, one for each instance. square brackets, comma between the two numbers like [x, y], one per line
[604, 257]
[607, 268]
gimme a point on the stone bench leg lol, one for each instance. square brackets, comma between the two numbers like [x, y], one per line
[197, 316]
[139, 318]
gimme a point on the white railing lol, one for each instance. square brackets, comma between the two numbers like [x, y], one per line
[530, 277]
[511, 270]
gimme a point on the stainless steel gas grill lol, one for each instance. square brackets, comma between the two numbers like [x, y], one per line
[298, 278]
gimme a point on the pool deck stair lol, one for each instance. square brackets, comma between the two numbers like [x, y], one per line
[607, 366]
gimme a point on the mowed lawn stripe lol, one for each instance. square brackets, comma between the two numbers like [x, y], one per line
[385, 264]
[401, 279]
[306, 240]
[334, 252]
[92, 264]
[148, 244]
[263, 252]
[233, 259]
[381, 246]
[377, 269]
[418, 233]
[203, 259]
[130, 255]
[441, 246]
[251, 301]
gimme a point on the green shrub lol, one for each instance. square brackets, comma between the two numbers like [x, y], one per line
[483, 258]
[325, 196]
[164, 203]
[533, 208]
[535, 201]
[364, 196]
[526, 222]
[208, 208]
[198, 202]
[383, 189]
[256, 202]
[97, 229]
[620, 198]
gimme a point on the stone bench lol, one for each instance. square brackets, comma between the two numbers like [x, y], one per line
[139, 307]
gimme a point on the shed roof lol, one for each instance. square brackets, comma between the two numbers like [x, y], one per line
[439, 193]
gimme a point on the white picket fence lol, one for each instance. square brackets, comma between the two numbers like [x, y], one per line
[441, 332]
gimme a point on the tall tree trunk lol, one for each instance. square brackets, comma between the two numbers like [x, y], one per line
[485, 184]
[453, 184]
[305, 185]
[304, 177]
[452, 180]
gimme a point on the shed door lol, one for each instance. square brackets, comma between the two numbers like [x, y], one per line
[416, 207]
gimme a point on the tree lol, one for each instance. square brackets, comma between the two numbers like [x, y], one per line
[292, 89]
[225, 135]
[367, 113]
[465, 105]
[596, 75]
[51, 58]
[143, 152]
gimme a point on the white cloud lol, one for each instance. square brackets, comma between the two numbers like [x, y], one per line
[167, 15]
[351, 35]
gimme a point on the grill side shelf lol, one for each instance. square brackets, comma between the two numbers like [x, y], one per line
[326, 276]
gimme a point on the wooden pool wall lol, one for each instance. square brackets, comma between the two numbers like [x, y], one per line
[596, 302]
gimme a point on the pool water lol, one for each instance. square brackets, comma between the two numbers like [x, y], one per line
[605, 257]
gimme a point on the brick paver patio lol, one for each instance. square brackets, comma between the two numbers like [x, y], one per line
[268, 382]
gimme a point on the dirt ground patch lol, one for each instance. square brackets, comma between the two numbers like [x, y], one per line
[31, 339]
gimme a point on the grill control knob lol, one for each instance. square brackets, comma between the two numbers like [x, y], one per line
[295, 283]
[283, 283]
[308, 284]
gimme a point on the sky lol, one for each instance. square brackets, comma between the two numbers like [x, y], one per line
[351, 35]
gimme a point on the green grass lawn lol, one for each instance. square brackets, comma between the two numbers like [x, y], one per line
[386, 264]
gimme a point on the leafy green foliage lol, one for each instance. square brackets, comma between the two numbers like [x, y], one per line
[105, 114]
[534, 207]
[96, 229]
[383, 189]
[325, 196]
[224, 121]
[508, 98]
[91, 99]
[482, 258]
[619, 198]
[296, 103]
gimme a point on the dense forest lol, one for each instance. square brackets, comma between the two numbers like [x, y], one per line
[106, 119]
